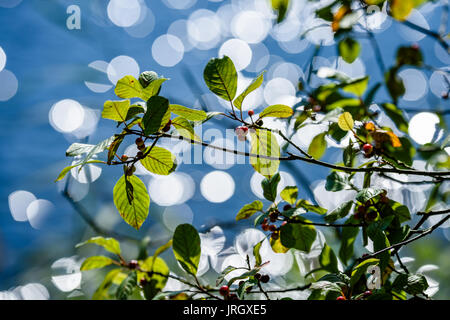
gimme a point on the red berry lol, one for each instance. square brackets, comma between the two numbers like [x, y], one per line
[273, 216]
[251, 112]
[341, 298]
[367, 148]
[284, 223]
[141, 147]
[287, 207]
[272, 228]
[265, 227]
[233, 296]
[241, 131]
[275, 235]
[224, 291]
[367, 293]
[133, 264]
[241, 138]
[357, 216]
[124, 158]
[371, 215]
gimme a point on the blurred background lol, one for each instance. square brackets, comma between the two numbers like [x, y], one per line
[55, 75]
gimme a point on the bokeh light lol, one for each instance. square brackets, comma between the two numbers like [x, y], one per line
[217, 186]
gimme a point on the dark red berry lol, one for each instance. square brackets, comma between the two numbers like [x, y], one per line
[233, 296]
[275, 235]
[133, 264]
[273, 216]
[371, 215]
[272, 228]
[265, 227]
[143, 282]
[251, 112]
[259, 122]
[341, 298]
[140, 155]
[257, 276]
[139, 141]
[265, 278]
[224, 291]
[141, 147]
[357, 216]
[367, 293]
[287, 207]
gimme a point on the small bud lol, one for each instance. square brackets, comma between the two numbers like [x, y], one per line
[259, 122]
[133, 264]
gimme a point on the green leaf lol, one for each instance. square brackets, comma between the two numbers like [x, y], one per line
[380, 242]
[318, 146]
[187, 113]
[102, 291]
[152, 89]
[159, 161]
[134, 110]
[249, 209]
[361, 268]
[409, 55]
[328, 260]
[155, 117]
[349, 49]
[348, 238]
[109, 244]
[135, 210]
[256, 253]
[114, 146]
[337, 181]
[396, 116]
[116, 110]
[368, 193]
[346, 122]
[356, 87]
[412, 283]
[269, 186]
[245, 275]
[127, 286]
[340, 212]
[221, 77]
[185, 129]
[281, 7]
[264, 144]
[128, 87]
[298, 236]
[224, 273]
[394, 84]
[289, 194]
[277, 111]
[96, 262]
[157, 278]
[186, 247]
[255, 84]
[309, 207]
[67, 169]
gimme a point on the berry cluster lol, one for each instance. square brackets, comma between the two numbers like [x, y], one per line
[224, 291]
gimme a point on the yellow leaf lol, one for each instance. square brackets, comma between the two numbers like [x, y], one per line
[400, 9]
[346, 122]
[394, 140]
[369, 126]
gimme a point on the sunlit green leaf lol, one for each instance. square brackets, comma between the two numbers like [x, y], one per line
[187, 113]
[221, 77]
[96, 262]
[109, 244]
[264, 144]
[289, 194]
[249, 209]
[116, 110]
[255, 84]
[134, 212]
[160, 161]
[277, 111]
[186, 247]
